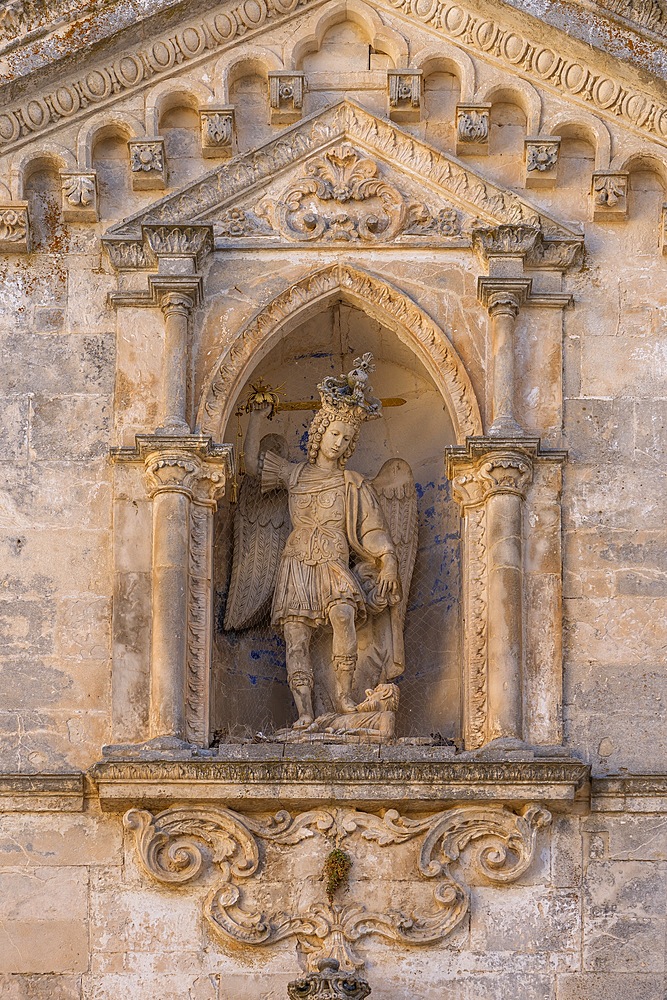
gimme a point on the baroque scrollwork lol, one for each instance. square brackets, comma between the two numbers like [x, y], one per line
[176, 846]
[342, 197]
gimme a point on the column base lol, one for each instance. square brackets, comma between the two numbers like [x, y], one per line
[506, 427]
[169, 429]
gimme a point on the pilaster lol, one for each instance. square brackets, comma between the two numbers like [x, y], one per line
[184, 476]
[491, 481]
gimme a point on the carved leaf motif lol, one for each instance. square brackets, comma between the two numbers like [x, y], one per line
[13, 225]
[79, 190]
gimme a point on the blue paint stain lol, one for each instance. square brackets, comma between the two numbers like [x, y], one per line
[303, 443]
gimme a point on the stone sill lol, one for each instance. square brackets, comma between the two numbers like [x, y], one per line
[268, 777]
[42, 792]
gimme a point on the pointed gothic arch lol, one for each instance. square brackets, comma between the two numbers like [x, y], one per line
[316, 290]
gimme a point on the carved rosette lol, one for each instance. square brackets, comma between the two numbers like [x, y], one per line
[285, 97]
[79, 196]
[148, 164]
[405, 94]
[472, 129]
[609, 194]
[176, 847]
[541, 155]
[14, 227]
[217, 132]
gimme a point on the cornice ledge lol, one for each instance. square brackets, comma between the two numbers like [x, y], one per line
[634, 793]
[260, 775]
[42, 792]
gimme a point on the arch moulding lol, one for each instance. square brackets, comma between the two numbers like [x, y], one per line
[375, 296]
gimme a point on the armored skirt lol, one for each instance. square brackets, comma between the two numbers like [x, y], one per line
[314, 572]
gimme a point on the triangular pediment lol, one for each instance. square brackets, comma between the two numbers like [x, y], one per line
[343, 174]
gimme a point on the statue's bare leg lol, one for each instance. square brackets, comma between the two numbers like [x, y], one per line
[344, 653]
[300, 670]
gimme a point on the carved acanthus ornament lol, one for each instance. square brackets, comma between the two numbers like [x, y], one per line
[472, 128]
[542, 161]
[79, 192]
[328, 983]
[176, 846]
[342, 197]
[14, 228]
[345, 124]
[217, 132]
[610, 196]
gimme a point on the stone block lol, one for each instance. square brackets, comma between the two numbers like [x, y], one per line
[62, 987]
[609, 196]
[609, 986]
[525, 919]
[14, 416]
[405, 94]
[14, 227]
[286, 96]
[624, 917]
[39, 840]
[631, 838]
[143, 919]
[566, 851]
[70, 427]
[43, 921]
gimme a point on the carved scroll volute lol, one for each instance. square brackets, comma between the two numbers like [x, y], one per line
[175, 846]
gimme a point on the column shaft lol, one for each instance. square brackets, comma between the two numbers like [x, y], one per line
[171, 511]
[505, 582]
[176, 308]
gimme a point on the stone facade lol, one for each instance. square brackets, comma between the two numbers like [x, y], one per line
[194, 197]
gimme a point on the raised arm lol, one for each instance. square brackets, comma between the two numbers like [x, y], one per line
[256, 427]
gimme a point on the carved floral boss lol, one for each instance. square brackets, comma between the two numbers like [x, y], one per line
[176, 847]
[343, 197]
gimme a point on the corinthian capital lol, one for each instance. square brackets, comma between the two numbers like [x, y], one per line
[192, 465]
[487, 466]
[505, 472]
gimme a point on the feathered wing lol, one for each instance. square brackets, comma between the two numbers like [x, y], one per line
[261, 526]
[395, 489]
[394, 486]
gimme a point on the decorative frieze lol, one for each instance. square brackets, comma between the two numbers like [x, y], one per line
[405, 94]
[180, 845]
[609, 194]
[541, 158]
[472, 129]
[218, 138]
[576, 78]
[148, 164]
[14, 227]
[285, 96]
[80, 196]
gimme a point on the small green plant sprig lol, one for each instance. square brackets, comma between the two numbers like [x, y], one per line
[336, 870]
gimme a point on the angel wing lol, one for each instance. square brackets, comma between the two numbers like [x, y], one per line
[394, 486]
[261, 526]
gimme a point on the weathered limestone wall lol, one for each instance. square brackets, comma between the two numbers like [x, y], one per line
[79, 918]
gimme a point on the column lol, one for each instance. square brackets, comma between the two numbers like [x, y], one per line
[504, 478]
[176, 308]
[503, 299]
